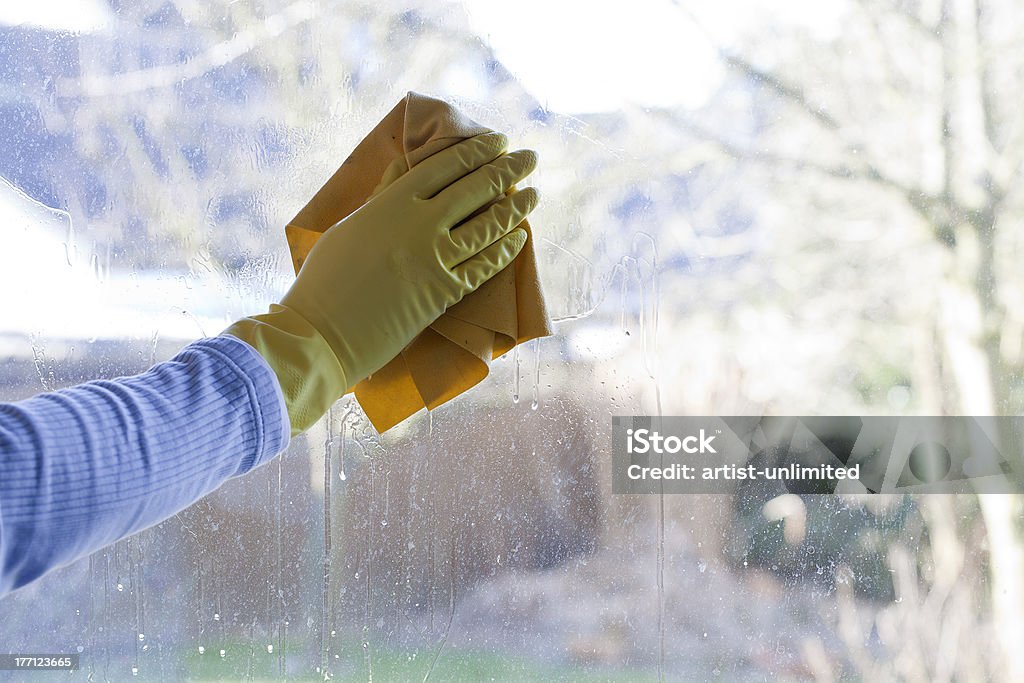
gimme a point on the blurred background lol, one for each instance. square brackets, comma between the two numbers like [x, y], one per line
[750, 209]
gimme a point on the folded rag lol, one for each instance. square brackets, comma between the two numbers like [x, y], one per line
[454, 353]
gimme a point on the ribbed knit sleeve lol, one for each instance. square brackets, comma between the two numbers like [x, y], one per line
[83, 467]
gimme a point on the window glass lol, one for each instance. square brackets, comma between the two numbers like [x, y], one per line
[746, 210]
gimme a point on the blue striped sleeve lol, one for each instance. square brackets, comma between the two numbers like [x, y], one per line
[83, 467]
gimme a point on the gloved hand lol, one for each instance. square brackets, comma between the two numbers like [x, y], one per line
[381, 275]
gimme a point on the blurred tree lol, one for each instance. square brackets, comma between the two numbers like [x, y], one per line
[910, 106]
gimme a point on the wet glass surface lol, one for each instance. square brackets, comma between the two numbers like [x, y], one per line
[808, 211]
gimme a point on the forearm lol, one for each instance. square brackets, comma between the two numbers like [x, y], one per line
[86, 466]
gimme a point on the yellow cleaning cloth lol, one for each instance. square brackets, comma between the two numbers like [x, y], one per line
[454, 353]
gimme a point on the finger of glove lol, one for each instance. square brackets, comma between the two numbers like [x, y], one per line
[484, 230]
[480, 268]
[395, 170]
[440, 170]
[484, 185]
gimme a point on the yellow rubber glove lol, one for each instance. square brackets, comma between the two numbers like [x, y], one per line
[381, 275]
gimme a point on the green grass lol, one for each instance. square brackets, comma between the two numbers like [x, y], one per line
[351, 663]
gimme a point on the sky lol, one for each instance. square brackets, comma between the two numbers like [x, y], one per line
[644, 53]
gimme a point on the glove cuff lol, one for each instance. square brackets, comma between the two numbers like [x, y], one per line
[309, 373]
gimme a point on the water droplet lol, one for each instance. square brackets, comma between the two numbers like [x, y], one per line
[80, 649]
[702, 566]
[120, 586]
[142, 636]
[536, 375]
[135, 671]
[270, 648]
[341, 475]
[383, 522]
[222, 653]
[202, 650]
[515, 375]
[216, 616]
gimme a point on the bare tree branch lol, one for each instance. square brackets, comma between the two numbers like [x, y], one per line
[985, 77]
[910, 18]
[948, 94]
[774, 82]
[874, 23]
[781, 88]
[924, 203]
